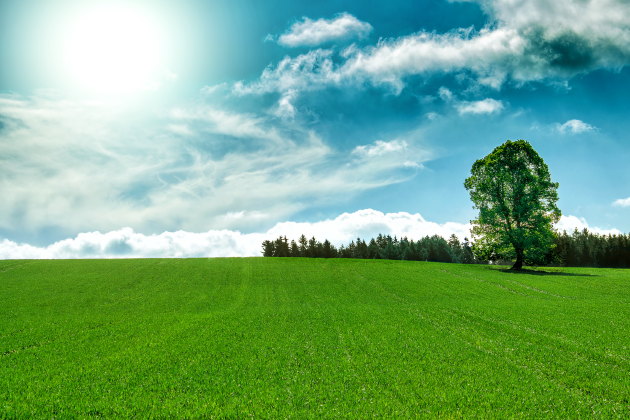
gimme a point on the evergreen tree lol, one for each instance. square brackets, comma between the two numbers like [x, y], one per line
[456, 250]
[319, 249]
[352, 248]
[381, 241]
[467, 256]
[327, 249]
[312, 248]
[268, 248]
[390, 252]
[373, 249]
[295, 250]
[302, 246]
[281, 247]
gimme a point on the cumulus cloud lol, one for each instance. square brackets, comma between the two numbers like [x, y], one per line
[524, 41]
[125, 243]
[486, 106]
[368, 223]
[570, 223]
[574, 127]
[315, 32]
[622, 202]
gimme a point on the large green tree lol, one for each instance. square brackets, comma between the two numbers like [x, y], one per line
[516, 199]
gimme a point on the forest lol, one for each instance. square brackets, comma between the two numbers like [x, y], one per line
[578, 249]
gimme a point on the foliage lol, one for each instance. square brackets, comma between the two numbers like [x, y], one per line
[310, 338]
[580, 249]
[586, 249]
[430, 248]
[516, 199]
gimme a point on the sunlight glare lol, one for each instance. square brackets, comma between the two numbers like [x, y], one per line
[113, 50]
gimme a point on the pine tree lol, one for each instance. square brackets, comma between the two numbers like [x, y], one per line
[268, 248]
[295, 250]
[303, 246]
[328, 249]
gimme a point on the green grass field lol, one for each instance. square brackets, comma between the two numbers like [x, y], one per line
[310, 338]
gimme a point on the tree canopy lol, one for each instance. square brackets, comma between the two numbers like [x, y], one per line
[512, 189]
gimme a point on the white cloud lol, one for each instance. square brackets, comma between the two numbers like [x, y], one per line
[445, 94]
[79, 166]
[285, 108]
[170, 76]
[574, 127]
[240, 215]
[392, 154]
[315, 32]
[486, 106]
[306, 71]
[570, 223]
[622, 202]
[125, 243]
[209, 90]
[181, 129]
[526, 41]
[380, 147]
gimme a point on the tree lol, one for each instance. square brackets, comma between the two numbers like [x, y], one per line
[328, 249]
[268, 248]
[281, 247]
[303, 246]
[373, 249]
[516, 199]
[294, 251]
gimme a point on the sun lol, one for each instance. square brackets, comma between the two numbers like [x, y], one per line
[113, 50]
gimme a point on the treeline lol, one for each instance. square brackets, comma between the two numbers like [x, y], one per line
[587, 249]
[578, 249]
[430, 248]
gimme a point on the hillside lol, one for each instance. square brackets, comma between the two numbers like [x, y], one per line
[310, 338]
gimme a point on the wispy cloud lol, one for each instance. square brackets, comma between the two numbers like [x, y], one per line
[445, 94]
[311, 33]
[170, 76]
[574, 127]
[285, 108]
[209, 90]
[390, 154]
[79, 166]
[486, 106]
[380, 147]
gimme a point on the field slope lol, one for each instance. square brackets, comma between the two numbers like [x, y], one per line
[310, 338]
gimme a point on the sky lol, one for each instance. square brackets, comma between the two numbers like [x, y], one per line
[201, 128]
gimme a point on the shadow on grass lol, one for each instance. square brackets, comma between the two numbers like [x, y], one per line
[546, 273]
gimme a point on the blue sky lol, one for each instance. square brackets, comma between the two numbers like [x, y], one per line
[253, 117]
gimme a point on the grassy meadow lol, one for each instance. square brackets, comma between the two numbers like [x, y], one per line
[310, 338]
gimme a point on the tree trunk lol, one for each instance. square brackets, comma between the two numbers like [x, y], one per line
[518, 265]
